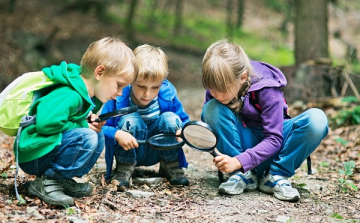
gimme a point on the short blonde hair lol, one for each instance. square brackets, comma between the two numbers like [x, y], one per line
[152, 62]
[223, 64]
[113, 54]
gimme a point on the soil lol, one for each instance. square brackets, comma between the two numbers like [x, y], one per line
[323, 197]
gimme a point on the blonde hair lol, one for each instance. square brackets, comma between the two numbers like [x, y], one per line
[152, 62]
[113, 54]
[223, 64]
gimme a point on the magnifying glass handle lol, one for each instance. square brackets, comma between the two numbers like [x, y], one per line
[221, 175]
[141, 141]
[214, 153]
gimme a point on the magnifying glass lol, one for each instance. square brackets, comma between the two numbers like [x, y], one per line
[196, 134]
[116, 113]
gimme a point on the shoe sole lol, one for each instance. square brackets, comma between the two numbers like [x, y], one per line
[79, 194]
[47, 200]
[239, 191]
[277, 195]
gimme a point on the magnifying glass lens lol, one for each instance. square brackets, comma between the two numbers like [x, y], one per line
[199, 137]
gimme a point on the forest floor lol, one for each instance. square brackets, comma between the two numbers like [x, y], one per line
[323, 197]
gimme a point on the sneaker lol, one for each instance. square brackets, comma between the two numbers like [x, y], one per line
[75, 189]
[239, 182]
[172, 172]
[123, 173]
[280, 186]
[50, 191]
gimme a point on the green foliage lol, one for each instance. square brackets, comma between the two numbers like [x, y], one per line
[4, 175]
[342, 141]
[337, 216]
[22, 201]
[323, 164]
[199, 31]
[347, 116]
[344, 182]
[278, 5]
[70, 211]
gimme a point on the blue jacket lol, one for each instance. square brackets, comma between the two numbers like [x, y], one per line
[168, 101]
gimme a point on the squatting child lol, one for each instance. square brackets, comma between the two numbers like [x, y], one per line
[261, 140]
[63, 144]
[159, 111]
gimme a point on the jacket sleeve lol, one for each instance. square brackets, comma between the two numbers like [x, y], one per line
[179, 110]
[272, 119]
[109, 129]
[51, 121]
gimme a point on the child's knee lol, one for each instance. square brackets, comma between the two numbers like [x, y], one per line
[318, 121]
[131, 122]
[170, 121]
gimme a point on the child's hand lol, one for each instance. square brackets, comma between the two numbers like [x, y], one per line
[178, 132]
[226, 164]
[126, 140]
[96, 126]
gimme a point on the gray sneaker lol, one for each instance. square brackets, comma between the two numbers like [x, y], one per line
[239, 182]
[75, 189]
[280, 186]
[50, 191]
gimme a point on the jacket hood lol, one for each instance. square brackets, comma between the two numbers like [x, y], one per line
[266, 75]
[68, 74]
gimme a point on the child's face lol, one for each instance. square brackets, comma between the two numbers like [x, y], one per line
[110, 86]
[144, 91]
[223, 97]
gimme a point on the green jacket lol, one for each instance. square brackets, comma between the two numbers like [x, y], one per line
[65, 107]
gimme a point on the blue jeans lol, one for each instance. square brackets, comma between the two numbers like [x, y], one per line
[74, 157]
[302, 135]
[168, 122]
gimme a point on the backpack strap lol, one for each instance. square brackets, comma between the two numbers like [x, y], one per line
[254, 100]
[26, 120]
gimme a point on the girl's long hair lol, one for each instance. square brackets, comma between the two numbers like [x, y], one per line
[223, 64]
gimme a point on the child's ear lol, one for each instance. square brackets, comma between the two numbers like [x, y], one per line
[99, 71]
[244, 76]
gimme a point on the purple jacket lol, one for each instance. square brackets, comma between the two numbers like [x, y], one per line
[268, 82]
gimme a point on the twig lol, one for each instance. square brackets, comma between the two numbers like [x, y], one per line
[352, 86]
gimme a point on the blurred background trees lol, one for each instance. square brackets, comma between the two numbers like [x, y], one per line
[310, 41]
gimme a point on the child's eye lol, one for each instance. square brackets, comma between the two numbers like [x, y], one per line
[119, 86]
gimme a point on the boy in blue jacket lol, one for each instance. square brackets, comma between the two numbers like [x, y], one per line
[159, 111]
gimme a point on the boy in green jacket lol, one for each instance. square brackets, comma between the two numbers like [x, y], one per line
[63, 144]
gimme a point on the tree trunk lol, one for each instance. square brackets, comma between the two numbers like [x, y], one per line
[240, 14]
[229, 22]
[178, 17]
[311, 30]
[129, 22]
[151, 18]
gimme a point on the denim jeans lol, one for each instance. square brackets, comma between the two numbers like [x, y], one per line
[74, 157]
[301, 135]
[168, 122]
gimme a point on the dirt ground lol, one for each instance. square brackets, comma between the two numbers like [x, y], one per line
[322, 199]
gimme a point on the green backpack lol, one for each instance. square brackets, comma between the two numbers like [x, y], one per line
[17, 98]
[15, 103]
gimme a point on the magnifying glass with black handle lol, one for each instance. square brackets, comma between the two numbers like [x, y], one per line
[116, 113]
[196, 134]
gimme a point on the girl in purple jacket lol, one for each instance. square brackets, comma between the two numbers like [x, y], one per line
[255, 141]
